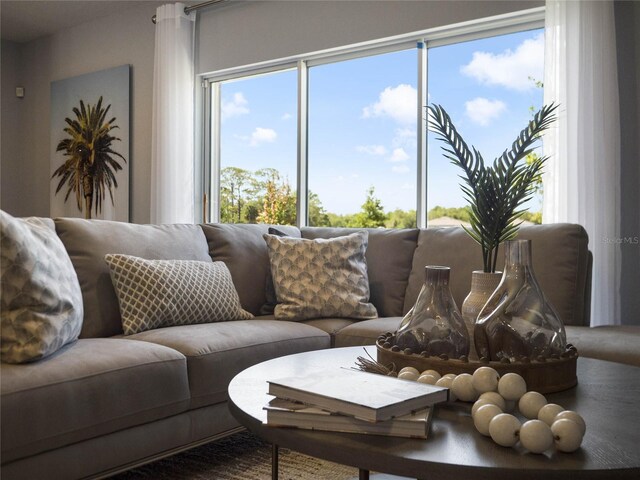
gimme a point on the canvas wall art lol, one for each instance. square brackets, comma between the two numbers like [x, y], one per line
[90, 157]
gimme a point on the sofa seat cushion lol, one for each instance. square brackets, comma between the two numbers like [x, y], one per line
[615, 343]
[88, 241]
[366, 332]
[216, 352]
[389, 256]
[88, 388]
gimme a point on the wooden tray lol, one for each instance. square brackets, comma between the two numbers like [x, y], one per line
[542, 375]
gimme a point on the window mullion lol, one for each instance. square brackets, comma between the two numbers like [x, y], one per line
[216, 118]
[421, 186]
[303, 130]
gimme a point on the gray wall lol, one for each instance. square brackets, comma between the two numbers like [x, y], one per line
[243, 33]
[10, 173]
[126, 37]
[628, 45]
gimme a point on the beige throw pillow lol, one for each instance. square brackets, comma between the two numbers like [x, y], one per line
[320, 278]
[163, 293]
[41, 302]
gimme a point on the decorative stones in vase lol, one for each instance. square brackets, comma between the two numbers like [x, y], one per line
[483, 285]
[434, 326]
[517, 322]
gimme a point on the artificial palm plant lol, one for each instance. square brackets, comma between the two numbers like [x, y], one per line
[89, 171]
[495, 192]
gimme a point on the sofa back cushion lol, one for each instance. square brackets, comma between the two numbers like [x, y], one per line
[243, 249]
[88, 241]
[389, 256]
[561, 262]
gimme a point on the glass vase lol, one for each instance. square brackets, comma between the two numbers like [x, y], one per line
[518, 322]
[434, 324]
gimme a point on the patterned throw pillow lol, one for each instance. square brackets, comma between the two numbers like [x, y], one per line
[163, 293]
[320, 278]
[41, 307]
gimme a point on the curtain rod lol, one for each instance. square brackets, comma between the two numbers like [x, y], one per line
[197, 6]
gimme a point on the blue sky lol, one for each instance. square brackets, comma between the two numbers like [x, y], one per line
[362, 125]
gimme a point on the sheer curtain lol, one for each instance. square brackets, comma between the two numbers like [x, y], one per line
[172, 150]
[582, 179]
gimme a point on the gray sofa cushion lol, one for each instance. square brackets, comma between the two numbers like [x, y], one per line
[615, 343]
[216, 352]
[244, 251]
[367, 332]
[389, 256]
[88, 241]
[89, 388]
[560, 260]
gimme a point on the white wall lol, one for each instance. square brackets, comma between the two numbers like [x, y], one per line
[126, 37]
[242, 33]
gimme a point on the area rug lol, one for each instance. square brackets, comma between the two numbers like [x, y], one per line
[242, 456]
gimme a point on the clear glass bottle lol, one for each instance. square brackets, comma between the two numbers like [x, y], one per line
[434, 324]
[518, 322]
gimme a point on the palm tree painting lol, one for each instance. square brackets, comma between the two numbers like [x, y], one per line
[90, 166]
[90, 121]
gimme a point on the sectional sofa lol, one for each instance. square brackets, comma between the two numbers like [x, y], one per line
[108, 402]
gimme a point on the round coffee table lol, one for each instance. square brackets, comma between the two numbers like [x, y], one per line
[606, 396]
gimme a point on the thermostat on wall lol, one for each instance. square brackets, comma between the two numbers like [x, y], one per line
[20, 92]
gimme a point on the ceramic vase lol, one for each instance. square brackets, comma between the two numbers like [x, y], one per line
[434, 325]
[483, 284]
[518, 322]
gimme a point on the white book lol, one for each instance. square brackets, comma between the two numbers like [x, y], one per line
[368, 396]
[286, 413]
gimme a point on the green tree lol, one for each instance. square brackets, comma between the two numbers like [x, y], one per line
[401, 219]
[372, 214]
[237, 188]
[278, 204]
[318, 216]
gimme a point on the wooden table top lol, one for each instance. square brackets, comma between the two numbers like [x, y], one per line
[607, 396]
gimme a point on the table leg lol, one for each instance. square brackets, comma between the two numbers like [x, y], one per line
[363, 474]
[274, 462]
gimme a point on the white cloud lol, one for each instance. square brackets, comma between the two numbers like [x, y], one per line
[286, 116]
[399, 103]
[399, 155]
[372, 149]
[509, 69]
[405, 137]
[262, 135]
[400, 169]
[482, 111]
[236, 107]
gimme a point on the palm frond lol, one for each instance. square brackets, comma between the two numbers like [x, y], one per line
[494, 192]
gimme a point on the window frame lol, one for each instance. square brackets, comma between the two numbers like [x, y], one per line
[208, 114]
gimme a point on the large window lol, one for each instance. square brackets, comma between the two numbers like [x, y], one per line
[339, 138]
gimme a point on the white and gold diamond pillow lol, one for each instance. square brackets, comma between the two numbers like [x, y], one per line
[320, 278]
[163, 293]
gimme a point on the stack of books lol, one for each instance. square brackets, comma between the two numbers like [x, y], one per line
[345, 400]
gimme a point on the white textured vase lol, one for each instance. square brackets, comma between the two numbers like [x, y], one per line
[482, 286]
